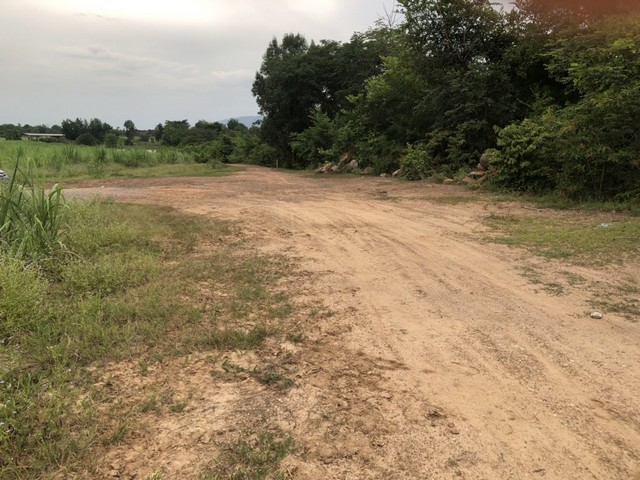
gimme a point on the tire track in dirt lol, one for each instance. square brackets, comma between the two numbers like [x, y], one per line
[510, 361]
[442, 360]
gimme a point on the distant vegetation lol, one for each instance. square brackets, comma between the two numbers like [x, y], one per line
[175, 141]
[550, 91]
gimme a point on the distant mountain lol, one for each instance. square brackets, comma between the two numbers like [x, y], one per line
[246, 120]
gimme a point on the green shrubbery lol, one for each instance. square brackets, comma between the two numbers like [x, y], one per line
[554, 92]
[589, 149]
[417, 164]
[31, 217]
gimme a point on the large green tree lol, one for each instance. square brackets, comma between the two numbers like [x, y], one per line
[297, 78]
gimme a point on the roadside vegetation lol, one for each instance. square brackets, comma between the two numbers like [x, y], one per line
[547, 92]
[69, 162]
[576, 240]
[86, 283]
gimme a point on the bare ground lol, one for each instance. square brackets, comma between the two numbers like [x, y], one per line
[432, 353]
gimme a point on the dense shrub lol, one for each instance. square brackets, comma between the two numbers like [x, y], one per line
[111, 140]
[416, 164]
[86, 139]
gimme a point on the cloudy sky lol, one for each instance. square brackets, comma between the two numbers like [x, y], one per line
[151, 60]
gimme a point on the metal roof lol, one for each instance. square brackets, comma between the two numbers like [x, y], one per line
[43, 134]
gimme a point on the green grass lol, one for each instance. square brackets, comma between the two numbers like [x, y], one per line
[454, 199]
[578, 241]
[72, 163]
[129, 284]
[556, 202]
[31, 216]
[251, 457]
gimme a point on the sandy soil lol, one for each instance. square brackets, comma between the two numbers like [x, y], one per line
[440, 358]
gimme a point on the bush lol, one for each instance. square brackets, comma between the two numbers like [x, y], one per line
[378, 152]
[87, 139]
[13, 134]
[203, 153]
[314, 145]
[416, 164]
[527, 153]
[573, 151]
[111, 140]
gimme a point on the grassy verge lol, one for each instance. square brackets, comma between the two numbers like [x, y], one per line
[133, 282]
[630, 207]
[577, 241]
[71, 163]
[114, 171]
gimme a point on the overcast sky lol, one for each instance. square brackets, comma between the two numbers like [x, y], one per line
[151, 60]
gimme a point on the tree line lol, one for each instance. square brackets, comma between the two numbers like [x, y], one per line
[549, 91]
[204, 141]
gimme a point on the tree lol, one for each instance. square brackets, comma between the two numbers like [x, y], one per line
[12, 134]
[234, 125]
[455, 33]
[296, 79]
[174, 132]
[158, 131]
[72, 129]
[586, 148]
[585, 8]
[130, 131]
[98, 129]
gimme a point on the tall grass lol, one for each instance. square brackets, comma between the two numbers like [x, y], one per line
[31, 216]
[77, 162]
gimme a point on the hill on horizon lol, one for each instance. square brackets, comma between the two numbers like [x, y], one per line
[247, 120]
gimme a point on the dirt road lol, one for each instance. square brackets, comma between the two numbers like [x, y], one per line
[440, 357]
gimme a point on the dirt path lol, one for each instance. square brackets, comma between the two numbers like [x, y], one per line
[441, 359]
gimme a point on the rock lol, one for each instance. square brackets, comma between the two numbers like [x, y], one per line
[596, 315]
[384, 175]
[434, 413]
[484, 162]
[326, 168]
[477, 174]
[334, 169]
[448, 181]
[368, 171]
[351, 166]
[467, 180]
[397, 173]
